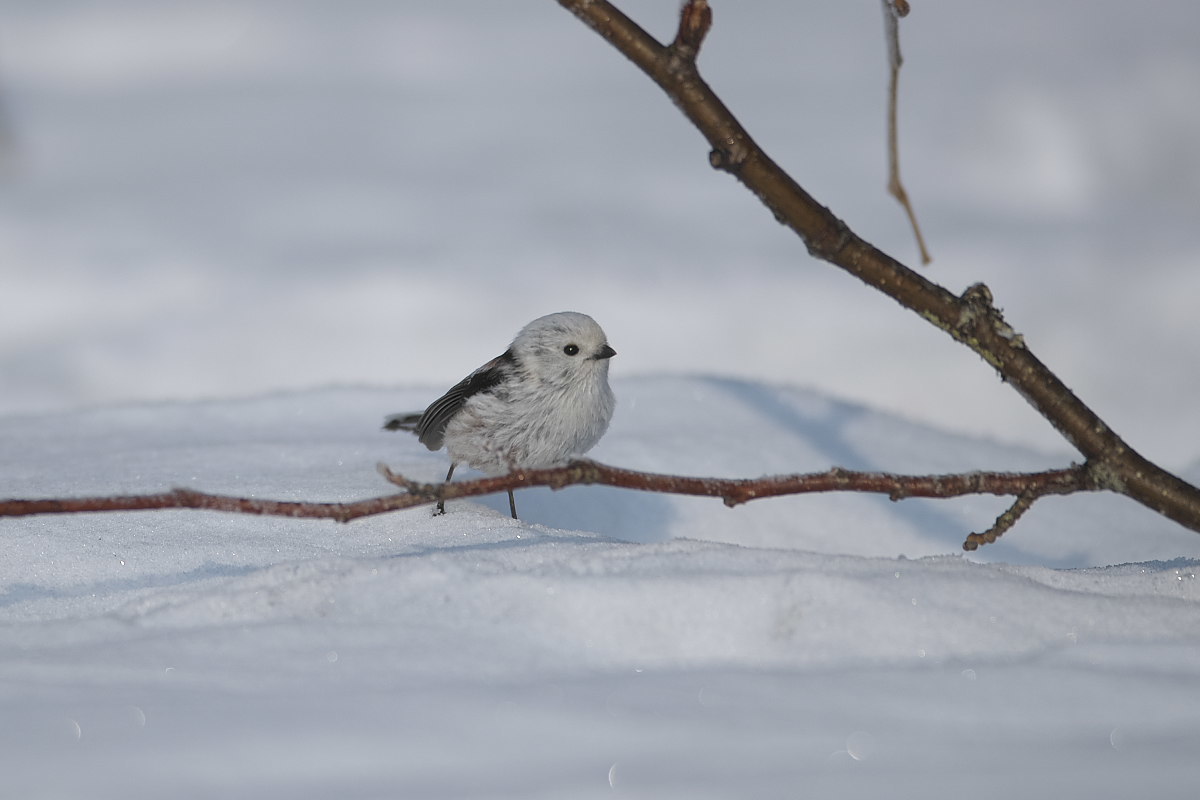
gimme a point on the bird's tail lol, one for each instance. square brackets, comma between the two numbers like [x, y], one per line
[402, 422]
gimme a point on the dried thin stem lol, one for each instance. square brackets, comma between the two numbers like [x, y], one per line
[891, 25]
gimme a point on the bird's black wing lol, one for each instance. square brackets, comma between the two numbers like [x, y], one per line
[431, 426]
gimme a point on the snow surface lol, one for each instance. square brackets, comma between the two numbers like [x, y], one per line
[234, 235]
[667, 645]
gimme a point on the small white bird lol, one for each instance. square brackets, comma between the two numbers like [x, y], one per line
[542, 402]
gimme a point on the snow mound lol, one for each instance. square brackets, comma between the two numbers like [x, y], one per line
[607, 625]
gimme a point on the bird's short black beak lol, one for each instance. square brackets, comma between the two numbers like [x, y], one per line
[604, 352]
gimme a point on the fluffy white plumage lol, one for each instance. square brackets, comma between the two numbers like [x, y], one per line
[542, 402]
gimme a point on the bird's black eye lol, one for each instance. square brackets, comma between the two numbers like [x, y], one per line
[571, 349]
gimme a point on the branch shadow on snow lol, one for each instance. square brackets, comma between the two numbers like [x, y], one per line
[618, 514]
[827, 431]
[837, 433]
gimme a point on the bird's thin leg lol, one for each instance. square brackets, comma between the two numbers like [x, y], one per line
[512, 504]
[441, 505]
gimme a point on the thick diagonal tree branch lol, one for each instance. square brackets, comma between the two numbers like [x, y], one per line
[971, 318]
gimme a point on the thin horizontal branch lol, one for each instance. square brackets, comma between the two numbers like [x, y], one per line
[733, 491]
[736, 491]
[189, 498]
[970, 319]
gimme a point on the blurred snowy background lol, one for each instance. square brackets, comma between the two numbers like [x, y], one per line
[233, 235]
[214, 199]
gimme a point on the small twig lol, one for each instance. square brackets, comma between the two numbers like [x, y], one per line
[694, 21]
[1003, 522]
[892, 11]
